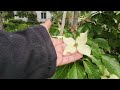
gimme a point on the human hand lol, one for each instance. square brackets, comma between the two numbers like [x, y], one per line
[64, 59]
[47, 24]
[59, 48]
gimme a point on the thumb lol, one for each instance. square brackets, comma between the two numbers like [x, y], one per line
[47, 24]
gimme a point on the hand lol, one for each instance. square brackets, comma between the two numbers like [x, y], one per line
[62, 60]
[47, 24]
[59, 47]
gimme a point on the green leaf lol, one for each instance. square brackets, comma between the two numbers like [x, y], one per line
[61, 72]
[91, 70]
[89, 25]
[76, 72]
[96, 51]
[103, 43]
[68, 35]
[106, 73]
[54, 31]
[98, 63]
[111, 64]
[82, 29]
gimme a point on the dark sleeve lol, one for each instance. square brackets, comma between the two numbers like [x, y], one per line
[28, 54]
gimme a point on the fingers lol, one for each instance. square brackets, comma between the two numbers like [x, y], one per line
[68, 54]
[71, 58]
[56, 41]
[61, 59]
[59, 49]
[77, 56]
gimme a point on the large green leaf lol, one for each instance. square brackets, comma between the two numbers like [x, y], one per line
[61, 72]
[111, 64]
[76, 72]
[96, 51]
[103, 43]
[98, 63]
[91, 70]
[54, 30]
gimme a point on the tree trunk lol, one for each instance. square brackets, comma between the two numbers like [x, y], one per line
[1, 23]
[75, 21]
[63, 22]
[72, 19]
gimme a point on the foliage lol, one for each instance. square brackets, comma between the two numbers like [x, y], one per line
[16, 25]
[12, 25]
[104, 40]
[6, 14]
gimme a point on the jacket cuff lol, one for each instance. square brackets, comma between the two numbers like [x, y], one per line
[51, 50]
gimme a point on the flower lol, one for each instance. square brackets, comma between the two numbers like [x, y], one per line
[77, 45]
[70, 45]
[113, 76]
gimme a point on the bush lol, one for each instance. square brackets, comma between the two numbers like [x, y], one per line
[15, 25]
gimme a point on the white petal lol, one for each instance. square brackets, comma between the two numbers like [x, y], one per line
[103, 77]
[69, 41]
[82, 39]
[69, 49]
[78, 40]
[84, 49]
[113, 76]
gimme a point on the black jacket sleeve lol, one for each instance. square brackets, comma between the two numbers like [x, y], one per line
[27, 54]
